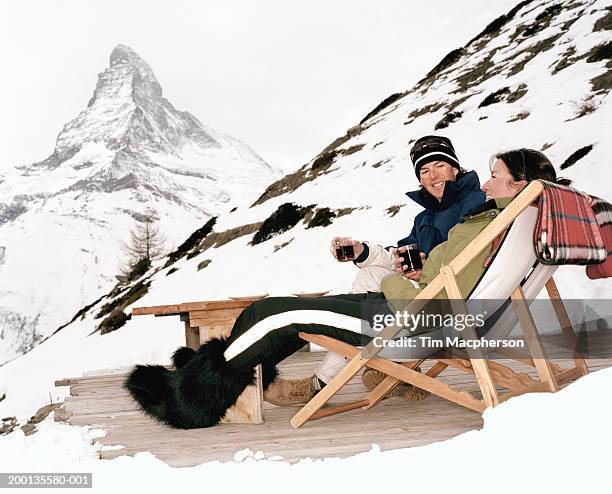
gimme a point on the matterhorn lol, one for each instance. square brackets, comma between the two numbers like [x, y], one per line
[130, 153]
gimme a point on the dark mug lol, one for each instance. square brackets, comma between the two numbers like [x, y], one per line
[344, 249]
[411, 257]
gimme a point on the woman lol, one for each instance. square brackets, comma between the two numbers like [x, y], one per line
[209, 381]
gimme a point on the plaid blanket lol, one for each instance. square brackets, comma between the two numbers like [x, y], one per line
[603, 216]
[567, 231]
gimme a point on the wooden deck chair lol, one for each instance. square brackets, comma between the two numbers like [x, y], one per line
[521, 283]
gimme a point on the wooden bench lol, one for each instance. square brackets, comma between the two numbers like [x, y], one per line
[214, 319]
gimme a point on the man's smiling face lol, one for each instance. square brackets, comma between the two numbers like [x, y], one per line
[433, 177]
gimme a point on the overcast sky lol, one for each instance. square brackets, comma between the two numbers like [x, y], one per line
[286, 77]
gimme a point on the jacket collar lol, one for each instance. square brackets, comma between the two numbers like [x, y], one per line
[500, 204]
[452, 190]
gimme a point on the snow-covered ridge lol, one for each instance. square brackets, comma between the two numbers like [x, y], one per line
[523, 56]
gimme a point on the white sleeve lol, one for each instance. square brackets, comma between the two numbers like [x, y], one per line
[378, 256]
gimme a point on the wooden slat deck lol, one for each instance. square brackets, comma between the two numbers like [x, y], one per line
[99, 400]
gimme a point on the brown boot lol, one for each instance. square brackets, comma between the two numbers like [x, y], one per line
[416, 394]
[372, 378]
[288, 392]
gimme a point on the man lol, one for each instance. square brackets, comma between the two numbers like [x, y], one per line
[447, 193]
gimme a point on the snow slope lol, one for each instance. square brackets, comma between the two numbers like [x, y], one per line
[369, 170]
[551, 49]
[534, 442]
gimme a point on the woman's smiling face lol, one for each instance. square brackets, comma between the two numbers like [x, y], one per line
[501, 183]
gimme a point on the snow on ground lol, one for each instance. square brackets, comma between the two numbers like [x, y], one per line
[537, 441]
[304, 263]
[71, 352]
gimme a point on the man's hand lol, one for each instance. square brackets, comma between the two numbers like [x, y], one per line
[357, 247]
[397, 263]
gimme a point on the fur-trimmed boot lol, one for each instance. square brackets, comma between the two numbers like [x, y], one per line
[198, 392]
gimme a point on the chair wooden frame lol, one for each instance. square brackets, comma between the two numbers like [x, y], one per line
[488, 374]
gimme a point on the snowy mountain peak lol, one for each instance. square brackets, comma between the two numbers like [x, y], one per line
[128, 113]
[127, 152]
[127, 118]
[123, 54]
[127, 66]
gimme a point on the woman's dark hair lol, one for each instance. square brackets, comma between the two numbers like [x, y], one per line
[529, 164]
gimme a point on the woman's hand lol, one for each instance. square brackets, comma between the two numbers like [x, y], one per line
[416, 275]
[397, 263]
[397, 260]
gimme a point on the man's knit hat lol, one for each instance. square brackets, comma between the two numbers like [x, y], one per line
[433, 148]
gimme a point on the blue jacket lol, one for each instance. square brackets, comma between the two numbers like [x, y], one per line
[432, 225]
